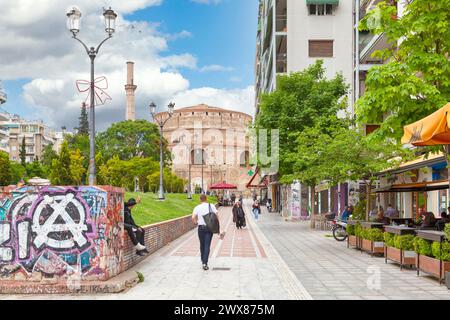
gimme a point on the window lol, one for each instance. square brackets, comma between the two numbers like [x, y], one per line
[321, 48]
[320, 9]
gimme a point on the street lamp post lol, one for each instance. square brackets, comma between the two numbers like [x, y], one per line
[73, 23]
[161, 122]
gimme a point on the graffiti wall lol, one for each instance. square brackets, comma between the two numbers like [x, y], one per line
[61, 233]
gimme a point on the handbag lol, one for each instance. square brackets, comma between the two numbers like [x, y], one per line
[212, 222]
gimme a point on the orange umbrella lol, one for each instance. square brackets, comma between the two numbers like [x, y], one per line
[431, 130]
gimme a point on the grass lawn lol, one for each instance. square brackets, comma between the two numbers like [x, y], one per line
[151, 210]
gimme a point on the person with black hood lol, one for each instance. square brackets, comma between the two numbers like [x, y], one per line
[136, 233]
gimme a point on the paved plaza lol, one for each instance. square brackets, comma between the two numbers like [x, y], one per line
[270, 259]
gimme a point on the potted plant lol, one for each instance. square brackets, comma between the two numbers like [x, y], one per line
[431, 259]
[391, 251]
[352, 239]
[373, 241]
[447, 235]
[405, 244]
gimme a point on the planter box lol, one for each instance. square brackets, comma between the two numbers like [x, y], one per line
[432, 266]
[394, 254]
[447, 279]
[400, 256]
[353, 241]
[373, 247]
[409, 258]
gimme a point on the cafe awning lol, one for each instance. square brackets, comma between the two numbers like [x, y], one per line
[430, 131]
[415, 187]
[322, 1]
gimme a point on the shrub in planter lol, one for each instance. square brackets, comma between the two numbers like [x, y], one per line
[358, 230]
[423, 247]
[389, 239]
[350, 230]
[438, 254]
[405, 242]
[447, 231]
[374, 235]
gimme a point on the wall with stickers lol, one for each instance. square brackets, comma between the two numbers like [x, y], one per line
[61, 233]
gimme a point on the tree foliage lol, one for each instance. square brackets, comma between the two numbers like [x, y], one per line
[416, 80]
[5, 169]
[130, 139]
[23, 152]
[299, 100]
[83, 125]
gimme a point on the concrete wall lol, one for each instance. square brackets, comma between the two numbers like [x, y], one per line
[303, 27]
[157, 236]
[61, 232]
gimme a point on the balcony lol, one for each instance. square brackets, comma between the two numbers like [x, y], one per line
[282, 63]
[281, 23]
[3, 96]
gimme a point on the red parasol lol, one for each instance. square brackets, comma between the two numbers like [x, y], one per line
[223, 186]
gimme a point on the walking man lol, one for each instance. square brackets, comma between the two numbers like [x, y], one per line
[204, 234]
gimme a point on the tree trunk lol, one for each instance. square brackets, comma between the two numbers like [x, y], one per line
[313, 206]
[368, 204]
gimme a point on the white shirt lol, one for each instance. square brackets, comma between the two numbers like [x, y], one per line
[202, 210]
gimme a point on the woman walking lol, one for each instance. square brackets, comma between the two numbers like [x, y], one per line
[239, 215]
[256, 209]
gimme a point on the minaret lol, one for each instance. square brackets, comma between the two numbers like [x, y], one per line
[130, 89]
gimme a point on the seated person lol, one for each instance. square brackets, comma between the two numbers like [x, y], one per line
[440, 225]
[136, 233]
[381, 218]
[428, 221]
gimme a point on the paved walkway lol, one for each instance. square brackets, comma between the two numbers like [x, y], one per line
[242, 266]
[329, 270]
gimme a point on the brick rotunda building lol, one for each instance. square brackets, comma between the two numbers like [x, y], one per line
[219, 135]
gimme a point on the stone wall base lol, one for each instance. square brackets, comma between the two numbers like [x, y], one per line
[117, 284]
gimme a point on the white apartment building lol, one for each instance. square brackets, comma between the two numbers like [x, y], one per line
[37, 136]
[3, 132]
[293, 34]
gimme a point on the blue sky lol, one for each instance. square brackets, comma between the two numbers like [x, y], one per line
[216, 34]
[222, 33]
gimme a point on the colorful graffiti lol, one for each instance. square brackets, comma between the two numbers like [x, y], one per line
[61, 231]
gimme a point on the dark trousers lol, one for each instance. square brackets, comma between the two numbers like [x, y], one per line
[137, 236]
[205, 237]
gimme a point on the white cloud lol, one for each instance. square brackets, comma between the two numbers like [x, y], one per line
[36, 44]
[216, 68]
[242, 100]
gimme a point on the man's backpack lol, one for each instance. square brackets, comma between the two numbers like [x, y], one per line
[212, 221]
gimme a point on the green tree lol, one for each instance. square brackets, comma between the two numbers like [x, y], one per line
[300, 98]
[35, 169]
[23, 152]
[5, 169]
[83, 125]
[415, 81]
[48, 155]
[18, 172]
[77, 170]
[130, 139]
[60, 173]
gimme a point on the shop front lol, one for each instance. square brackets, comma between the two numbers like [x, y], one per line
[417, 186]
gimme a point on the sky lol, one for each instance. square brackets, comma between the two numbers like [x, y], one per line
[185, 51]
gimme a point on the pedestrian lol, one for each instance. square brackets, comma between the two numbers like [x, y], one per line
[239, 215]
[256, 209]
[233, 198]
[204, 234]
[135, 232]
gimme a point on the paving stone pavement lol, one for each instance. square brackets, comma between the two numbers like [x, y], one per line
[328, 270]
[248, 269]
